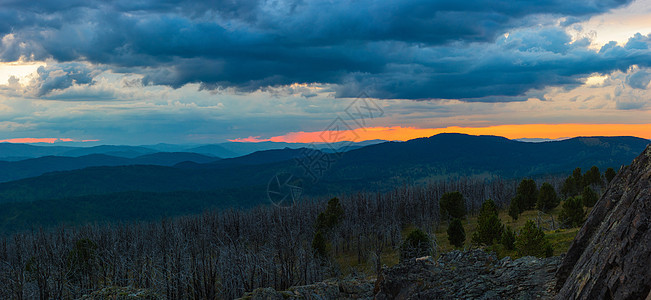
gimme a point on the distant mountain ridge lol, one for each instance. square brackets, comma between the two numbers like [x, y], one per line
[18, 161]
[497, 155]
[14, 170]
[15, 152]
[148, 191]
[378, 166]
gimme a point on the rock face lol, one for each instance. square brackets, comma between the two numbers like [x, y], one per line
[469, 275]
[610, 257]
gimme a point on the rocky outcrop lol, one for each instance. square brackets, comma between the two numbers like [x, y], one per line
[474, 274]
[469, 275]
[347, 288]
[610, 257]
[122, 293]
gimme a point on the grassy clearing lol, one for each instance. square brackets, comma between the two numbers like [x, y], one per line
[561, 239]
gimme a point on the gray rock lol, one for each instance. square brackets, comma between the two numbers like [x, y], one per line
[347, 288]
[610, 258]
[474, 274]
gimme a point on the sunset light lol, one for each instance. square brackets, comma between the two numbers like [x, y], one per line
[530, 131]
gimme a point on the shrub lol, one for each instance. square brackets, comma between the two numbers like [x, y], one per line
[456, 233]
[417, 244]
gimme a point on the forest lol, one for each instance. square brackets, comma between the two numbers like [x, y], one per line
[222, 254]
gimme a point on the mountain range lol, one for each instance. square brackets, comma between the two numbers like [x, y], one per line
[15, 152]
[105, 187]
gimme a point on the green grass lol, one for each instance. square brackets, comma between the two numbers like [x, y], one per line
[561, 239]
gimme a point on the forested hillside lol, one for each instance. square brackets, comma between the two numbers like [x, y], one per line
[222, 254]
[204, 182]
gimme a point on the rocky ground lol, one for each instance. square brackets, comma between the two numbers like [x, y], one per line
[122, 293]
[473, 274]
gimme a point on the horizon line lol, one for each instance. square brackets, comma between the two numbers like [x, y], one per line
[510, 131]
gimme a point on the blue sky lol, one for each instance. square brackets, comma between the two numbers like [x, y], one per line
[140, 71]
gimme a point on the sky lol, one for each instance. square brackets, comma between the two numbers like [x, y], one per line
[194, 72]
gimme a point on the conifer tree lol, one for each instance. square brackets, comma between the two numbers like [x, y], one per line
[514, 208]
[528, 190]
[489, 225]
[508, 238]
[456, 233]
[453, 205]
[589, 197]
[610, 174]
[572, 214]
[547, 198]
[532, 242]
[319, 245]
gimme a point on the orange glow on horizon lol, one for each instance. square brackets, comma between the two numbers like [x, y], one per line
[42, 140]
[399, 133]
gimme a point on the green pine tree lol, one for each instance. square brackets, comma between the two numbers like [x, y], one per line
[508, 238]
[528, 190]
[319, 245]
[589, 197]
[453, 205]
[514, 207]
[610, 174]
[572, 214]
[331, 217]
[578, 179]
[532, 242]
[489, 225]
[456, 233]
[592, 177]
[547, 198]
[570, 187]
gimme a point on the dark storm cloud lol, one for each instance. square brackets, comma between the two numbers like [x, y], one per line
[59, 77]
[408, 49]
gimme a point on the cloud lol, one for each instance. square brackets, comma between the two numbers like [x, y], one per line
[639, 79]
[411, 49]
[52, 77]
[61, 76]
